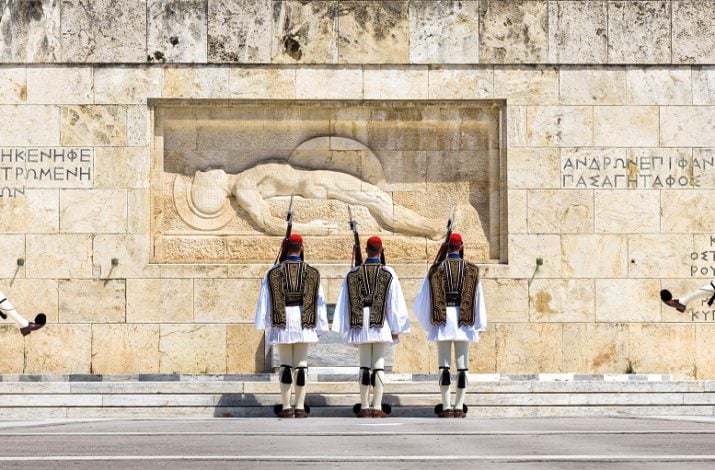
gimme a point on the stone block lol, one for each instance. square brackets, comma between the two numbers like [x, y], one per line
[94, 125]
[305, 32]
[517, 204]
[30, 125]
[387, 82]
[704, 85]
[59, 256]
[412, 353]
[592, 85]
[329, 83]
[662, 349]
[579, 261]
[704, 337]
[177, 31]
[623, 211]
[121, 167]
[698, 310]
[60, 349]
[529, 348]
[460, 83]
[33, 32]
[560, 126]
[225, 300]
[125, 349]
[523, 251]
[556, 300]
[483, 353]
[659, 85]
[627, 300]
[48, 85]
[373, 32]
[625, 126]
[104, 31]
[33, 296]
[86, 301]
[693, 33]
[559, 211]
[183, 271]
[662, 168]
[687, 126]
[263, 83]
[527, 85]
[126, 85]
[639, 32]
[659, 255]
[137, 125]
[444, 32]
[595, 348]
[13, 249]
[160, 300]
[138, 208]
[238, 31]
[702, 173]
[93, 211]
[516, 126]
[682, 211]
[577, 32]
[191, 249]
[132, 251]
[507, 300]
[195, 82]
[245, 349]
[12, 360]
[13, 85]
[513, 32]
[192, 349]
[534, 168]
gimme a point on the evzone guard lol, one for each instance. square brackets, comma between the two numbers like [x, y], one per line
[7, 309]
[450, 307]
[371, 313]
[291, 309]
[681, 303]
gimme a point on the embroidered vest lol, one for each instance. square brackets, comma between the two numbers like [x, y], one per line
[367, 287]
[453, 282]
[294, 283]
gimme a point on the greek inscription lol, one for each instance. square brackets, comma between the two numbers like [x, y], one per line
[23, 168]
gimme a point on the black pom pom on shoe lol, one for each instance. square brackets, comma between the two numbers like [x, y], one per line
[665, 295]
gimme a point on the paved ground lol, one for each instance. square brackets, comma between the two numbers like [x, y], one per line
[409, 443]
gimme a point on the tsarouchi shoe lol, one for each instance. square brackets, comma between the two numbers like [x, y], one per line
[300, 413]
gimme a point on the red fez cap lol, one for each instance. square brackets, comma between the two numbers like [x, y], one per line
[455, 239]
[374, 241]
[295, 238]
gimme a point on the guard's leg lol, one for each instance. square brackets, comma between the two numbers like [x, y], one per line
[300, 356]
[285, 355]
[378, 378]
[7, 309]
[444, 357]
[705, 291]
[461, 353]
[365, 352]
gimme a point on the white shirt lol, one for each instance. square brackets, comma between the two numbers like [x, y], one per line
[450, 331]
[396, 316]
[293, 332]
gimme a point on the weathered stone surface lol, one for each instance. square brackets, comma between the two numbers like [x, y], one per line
[513, 32]
[184, 271]
[321, 83]
[523, 251]
[639, 32]
[137, 125]
[661, 168]
[570, 300]
[600, 85]
[36, 212]
[579, 259]
[704, 337]
[483, 353]
[373, 32]
[460, 83]
[30, 125]
[659, 85]
[626, 211]
[265, 82]
[132, 251]
[177, 31]
[659, 256]
[558, 211]
[534, 168]
[697, 309]
[560, 126]
[526, 85]
[48, 85]
[59, 256]
[84, 301]
[577, 32]
[662, 348]
[160, 301]
[529, 348]
[121, 167]
[126, 85]
[30, 31]
[13, 249]
[138, 211]
[517, 203]
[595, 348]
[387, 82]
[516, 126]
[191, 249]
[703, 85]
[683, 210]
[195, 82]
[192, 349]
[103, 31]
[506, 300]
[703, 173]
[627, 300]
[94, 125]
[125, 349]
[625, 126]
[305, 32]
[245, 349]
[444, 32]
[687, 126]
[225, 300]
[239, 31]
[12, 360]
[13, 84]
[60, 349]
[412, 354]
[33, 296]
[93, 210]
[693, 33]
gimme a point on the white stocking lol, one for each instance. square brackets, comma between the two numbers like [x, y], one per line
[365, 351]
[8, 309]
[285, 355]
[378, 368]
[705, 291]
[461, 352]
[300, 356]
[444, 358]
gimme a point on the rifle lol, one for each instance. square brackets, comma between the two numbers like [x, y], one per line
[442, 253]
[357, 254]
[283, 252]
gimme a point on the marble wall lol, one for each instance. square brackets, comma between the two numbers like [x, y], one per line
[608, 159]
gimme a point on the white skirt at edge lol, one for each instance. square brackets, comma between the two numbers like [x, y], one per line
[451, 331]
[292, 333]
[367, 334]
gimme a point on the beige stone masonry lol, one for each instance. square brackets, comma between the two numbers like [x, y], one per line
[245, 349]
[304, 32]
[94, 125]
[195, 82]
[13, 359]
[514, 32]
[160, 300]
[93, 211]
[683, 211]
[684, 126]
[373, 32]
[566, 301]
[704, 85]
[63, 256]
[443, 32]
[84, 301]
[460, 83]
[482, 354]
[647, 352]
[693, 33]
[560, 126]
[13, 85]
[592, 85]
[121, 167]
[625, 126]
[524, 249]
[559, 211]
[659, 256]
[177, 30]
[586, 256]
[319, 83]
[627, 300]
[126, 85]
[239, 32]
[527, 85]
[595, 347]
[125, 349]
[624, 211]
[578, 32]
[30, 125]
[132, 252]
[386, 82]
[60, 349]
[659, 85]
[33, 296]
[225, 300]
[192, 349]
[13, 249]
[526, 347]
[272, 82]
[49, 85]
[506, 300]
[639, 32]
